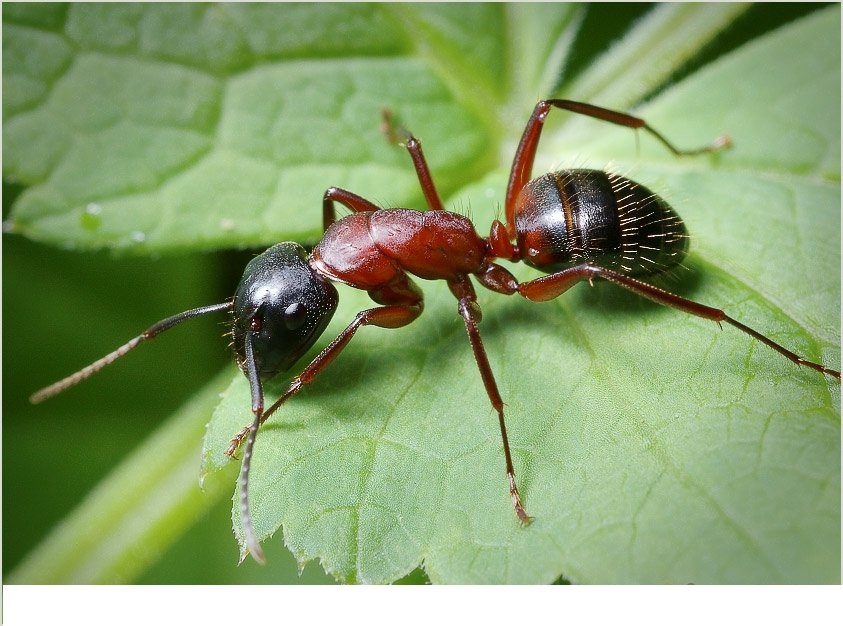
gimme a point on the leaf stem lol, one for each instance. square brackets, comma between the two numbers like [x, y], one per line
[141, 508]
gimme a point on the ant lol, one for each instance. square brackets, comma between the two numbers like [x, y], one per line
[575, 225]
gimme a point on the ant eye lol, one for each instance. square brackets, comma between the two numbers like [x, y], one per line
[295, 315]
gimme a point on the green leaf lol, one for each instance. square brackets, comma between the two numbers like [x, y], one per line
[649, 446]
[218, 139]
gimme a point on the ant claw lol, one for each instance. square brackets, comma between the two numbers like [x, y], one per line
[235, 443]
[395, 134]
[723, 142]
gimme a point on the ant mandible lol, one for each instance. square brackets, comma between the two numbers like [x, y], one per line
[575, 225]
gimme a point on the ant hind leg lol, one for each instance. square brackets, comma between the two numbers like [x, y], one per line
[553, 285]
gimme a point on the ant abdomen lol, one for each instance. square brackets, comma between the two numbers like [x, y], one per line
[575, 216]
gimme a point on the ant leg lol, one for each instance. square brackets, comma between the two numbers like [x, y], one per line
[391, 316]
[522, 164]
[553, 285]
[356, 203]
[403, 137]
[359, 204]
[470, 312]
[404, 303]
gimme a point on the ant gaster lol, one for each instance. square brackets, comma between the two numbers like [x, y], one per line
[575, 225]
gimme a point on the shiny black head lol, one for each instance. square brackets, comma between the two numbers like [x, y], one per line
[286, 305]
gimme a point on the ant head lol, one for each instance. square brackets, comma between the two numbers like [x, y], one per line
[285, 304]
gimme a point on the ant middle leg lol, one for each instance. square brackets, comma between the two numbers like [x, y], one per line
[522, 164]
[470, 312]
[359, 204]
[553, 285]
[404, 137]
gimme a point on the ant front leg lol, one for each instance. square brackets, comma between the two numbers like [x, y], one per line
[470, 312]
[391, 316]
[522, 164]
[385, 317]
[553, 285]
[349, 199]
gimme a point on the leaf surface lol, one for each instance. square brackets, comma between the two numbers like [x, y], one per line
[646, 442]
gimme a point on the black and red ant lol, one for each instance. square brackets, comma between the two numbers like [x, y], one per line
[575, 225]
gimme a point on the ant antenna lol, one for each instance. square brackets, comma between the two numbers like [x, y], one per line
[150, 333]
[252, 542]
